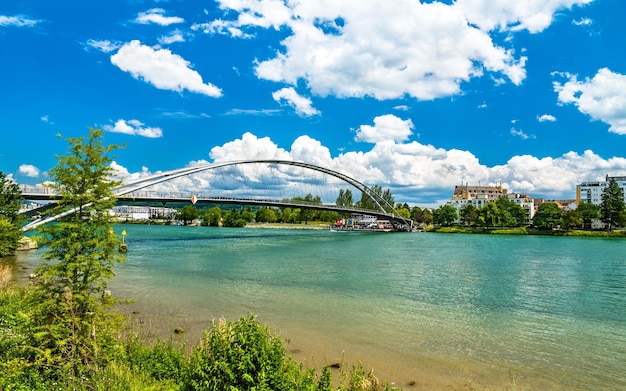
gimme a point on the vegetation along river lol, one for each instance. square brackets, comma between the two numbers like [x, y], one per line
[424, 310]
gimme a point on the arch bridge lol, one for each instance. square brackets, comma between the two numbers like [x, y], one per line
[231, 177]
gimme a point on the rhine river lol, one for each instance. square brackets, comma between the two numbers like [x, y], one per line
[426, 311]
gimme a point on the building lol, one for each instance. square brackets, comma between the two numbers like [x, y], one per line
[129, 212]
[479, 196]
[591, 192]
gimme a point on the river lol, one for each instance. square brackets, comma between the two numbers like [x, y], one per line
[426, 311]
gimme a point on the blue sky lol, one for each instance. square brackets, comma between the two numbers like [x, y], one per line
[414, 96]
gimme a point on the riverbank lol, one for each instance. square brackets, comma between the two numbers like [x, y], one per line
[528, 231]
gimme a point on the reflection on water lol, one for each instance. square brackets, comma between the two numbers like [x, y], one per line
[440, 310]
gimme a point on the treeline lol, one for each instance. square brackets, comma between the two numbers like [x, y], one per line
[506, 213]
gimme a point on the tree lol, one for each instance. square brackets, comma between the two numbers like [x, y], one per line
[188, 214]
[572, 219]
[266, 215]
[213, 216]
[73, 331]
[588, 212]
[489, 215]
[344, 198]
[10, 233]
[511, 214]
[548, 216]
[445, 215]
[612, 205]
[468, 214]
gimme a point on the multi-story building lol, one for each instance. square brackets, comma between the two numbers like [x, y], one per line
[479, 196]
[591, 192]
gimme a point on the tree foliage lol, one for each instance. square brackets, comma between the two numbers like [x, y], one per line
[445, 215]
[548, 216]
[213, 216]
[612, 206]
[189, 213]
[73, 328]
[588, 212]
[10, 233]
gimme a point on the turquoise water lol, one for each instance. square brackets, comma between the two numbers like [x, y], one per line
[440, 310]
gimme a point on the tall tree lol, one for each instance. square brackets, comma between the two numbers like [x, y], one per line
[10, 233]
[548, 216]
[612, 205]
[511, 214]
[213, 216]
[344, 198]
[73, 327]
[188, 214]
[588, 212]
[445, 215]
[468, 214]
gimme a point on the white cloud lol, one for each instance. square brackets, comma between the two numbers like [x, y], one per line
[416, 173]
[292, 98]
[546, 118]
[157, 16]
[46, 119]
[17, 21]
[532, 15]
[104, 46]
[174, 37]
[583, 22]
[135, 128]
[603, 98]
[426, 52]
[386, 128]
[161, 68]
[520, 133]
[29, 170]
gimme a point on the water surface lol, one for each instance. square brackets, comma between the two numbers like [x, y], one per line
[440, 310]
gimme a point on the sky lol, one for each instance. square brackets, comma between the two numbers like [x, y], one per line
[414, 96]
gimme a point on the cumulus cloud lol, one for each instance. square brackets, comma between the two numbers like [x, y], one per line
[531, 15]
[17, 21]
[603, 97]
[135, 128]
[161, 68]
[386, 128]
[426, 53]
[546, 118]
[29, 170]
[416, 173]
[302, 105]
[157, 16]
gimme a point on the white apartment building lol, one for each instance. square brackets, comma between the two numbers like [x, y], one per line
[591, 192]
[479, 196]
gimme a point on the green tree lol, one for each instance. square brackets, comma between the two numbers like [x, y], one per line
[344, 198]
[213, 216]
[10, 220]
[266, 215]
[468, 214]
[445, 215]
[572, 219]
[588, 212]
[188, 214]
[511, 213]
[489, 215]
[548, 216]
[612, 205]
[72, 330]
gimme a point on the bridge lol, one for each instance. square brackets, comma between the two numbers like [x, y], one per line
[243, 182]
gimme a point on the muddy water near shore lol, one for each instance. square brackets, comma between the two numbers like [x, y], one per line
[425, 311]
